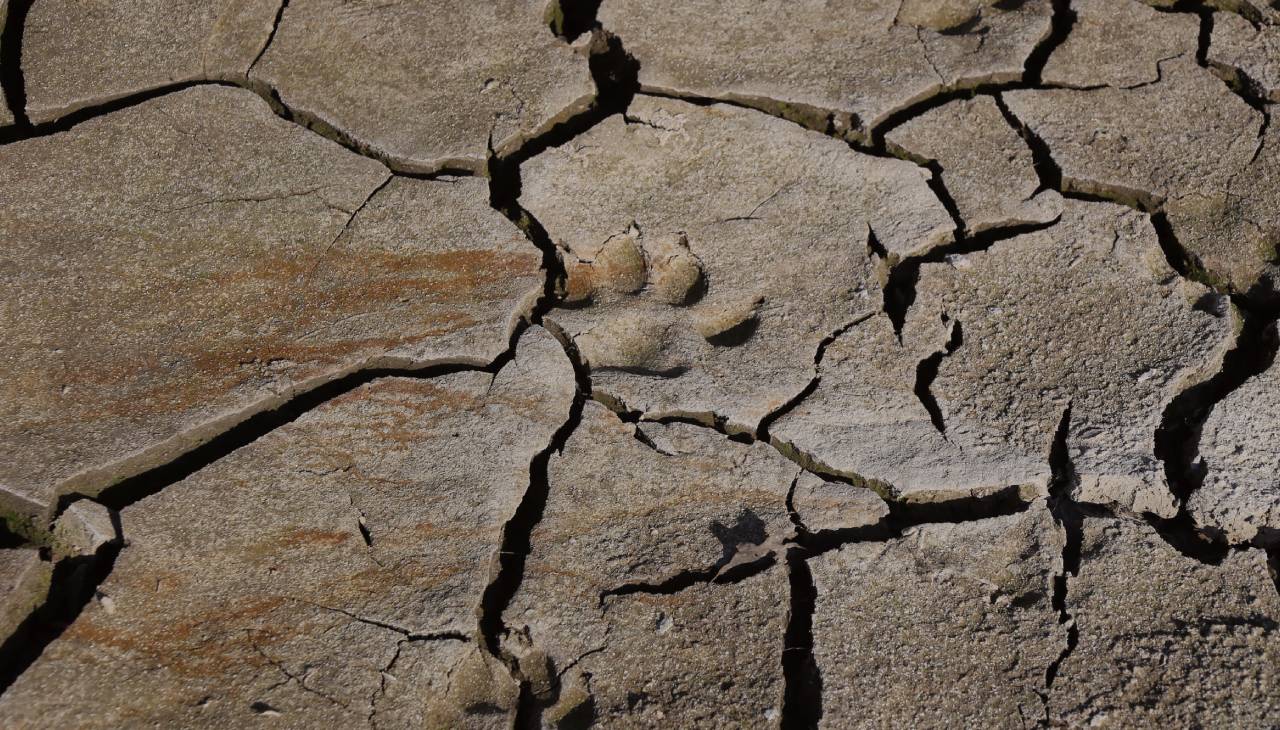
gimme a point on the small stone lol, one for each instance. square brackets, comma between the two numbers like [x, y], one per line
[940, 15]
[580, 281]
[854, 63]
[430, 85]
[1164, 638]
[83, 528]
[950, 621]
[986, 167]
[1119, 43]
[81, 53]
[823, 505]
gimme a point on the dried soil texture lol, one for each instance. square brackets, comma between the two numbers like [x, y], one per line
[604, 363]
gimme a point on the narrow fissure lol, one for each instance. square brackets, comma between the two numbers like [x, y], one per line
[76, 579]
[719, 572]
[614, 73]
[1070, 519]
[1042, 160]
[570, 19]
[517, 534]
[268, 94]
[1273, 567]
[73, 585]
[140, 486]
[927, 372]
[275, 28]
[1060, 25]
[1177, 440]
[75, 582]
[1184, 262]
[802, 680]
[900, 289]
[904, 515]
[1180, 259]
[940, 191]
[1204, 37]
[762, 429]
[12, 80]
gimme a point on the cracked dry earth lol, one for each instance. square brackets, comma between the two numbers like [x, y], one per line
[759, 363]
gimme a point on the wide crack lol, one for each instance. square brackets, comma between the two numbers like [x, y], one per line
[927, 372]
[900, 289]
[1070, 521]
[517, 533]
[12, 81]
[802, 680]
[268, 94]
[76, 579]
[1177, 441]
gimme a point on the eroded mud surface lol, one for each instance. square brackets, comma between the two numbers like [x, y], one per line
[543, 363]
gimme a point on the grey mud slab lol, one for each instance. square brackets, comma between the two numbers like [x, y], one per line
[668, 213]
[83, 53]
[1240, 496]
[859, 61]
[633, 515]
[1164, 639]
[152, 306]
[615, 364]
[432, 85]
[962, 610]
[324, 574]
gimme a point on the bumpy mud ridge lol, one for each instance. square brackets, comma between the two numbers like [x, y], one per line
[639, 363]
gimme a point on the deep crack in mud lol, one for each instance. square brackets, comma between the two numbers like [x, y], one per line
[594, 364]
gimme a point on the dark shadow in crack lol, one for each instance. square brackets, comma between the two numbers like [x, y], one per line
[12, 81]
[802, 680]
[74, 583]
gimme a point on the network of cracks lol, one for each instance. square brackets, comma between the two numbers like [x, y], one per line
[673, 384]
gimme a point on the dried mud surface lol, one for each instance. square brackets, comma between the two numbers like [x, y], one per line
[606, 363]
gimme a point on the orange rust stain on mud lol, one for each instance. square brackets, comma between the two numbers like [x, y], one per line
[205, 643]
[296, 538]
[255, 318]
